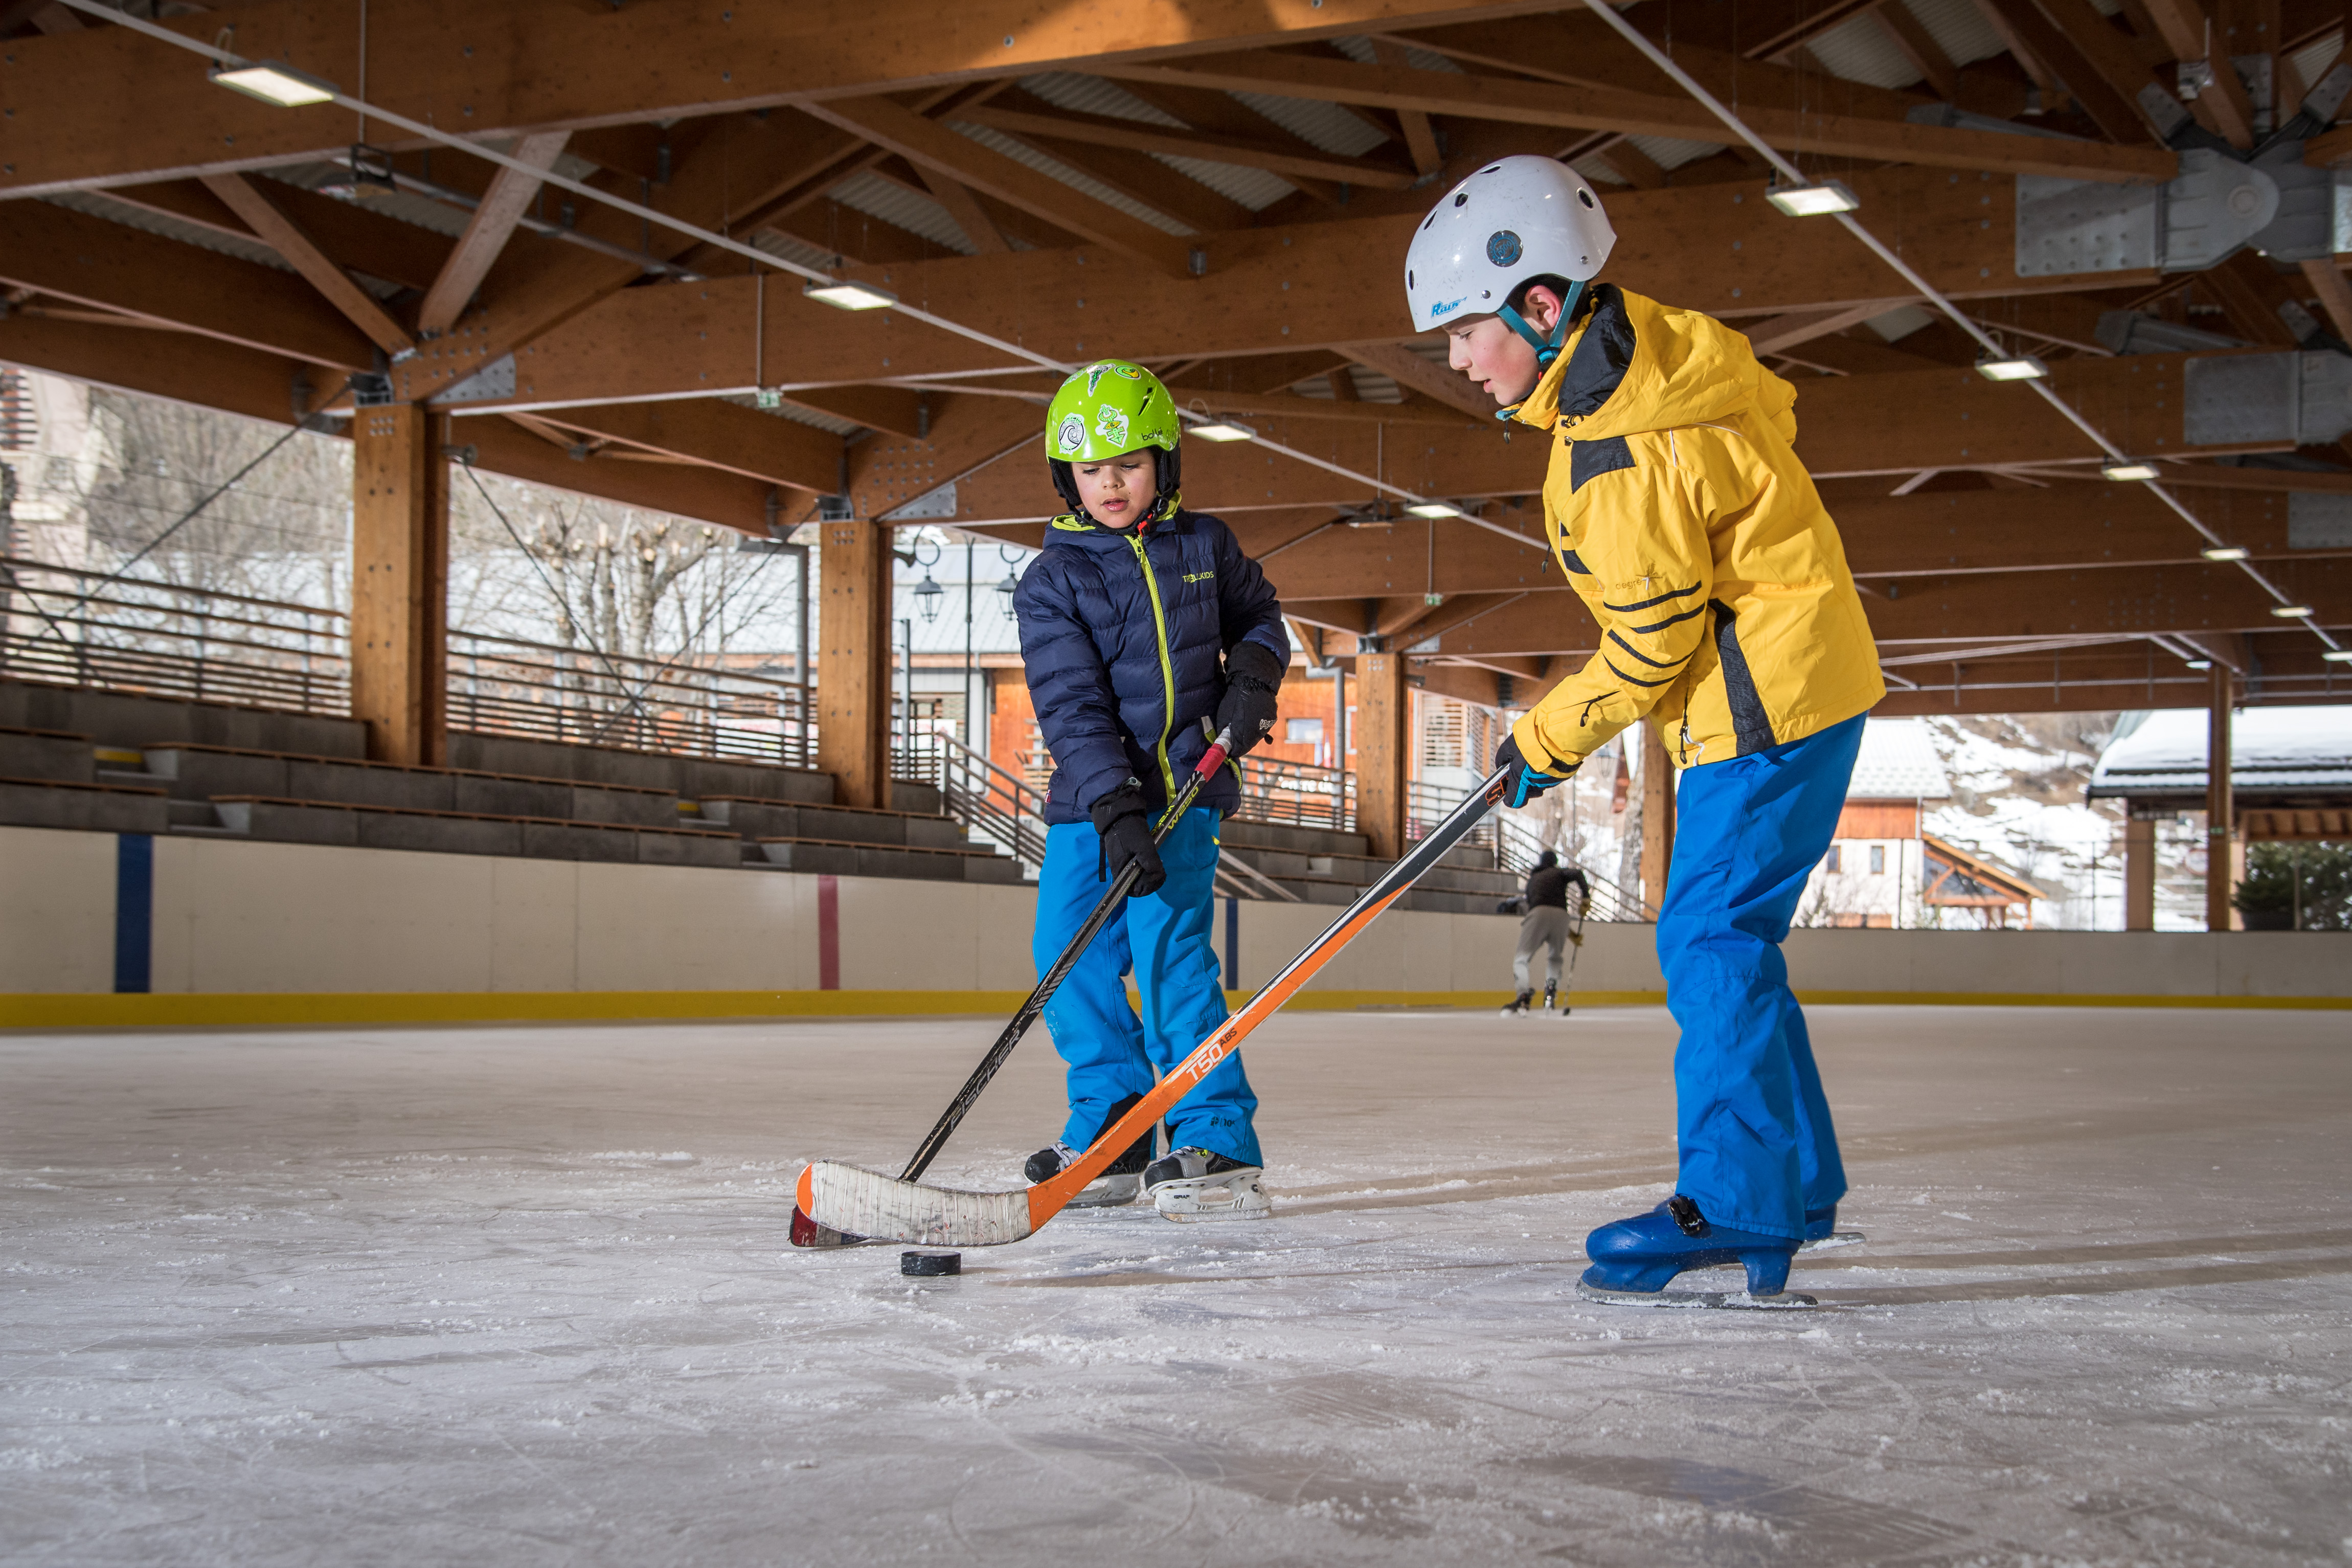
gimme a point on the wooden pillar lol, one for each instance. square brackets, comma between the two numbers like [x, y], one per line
[852, 693]
[1658, 816]
[1383, 736]
[400, 584]
[2223, 857]
[2139, 874]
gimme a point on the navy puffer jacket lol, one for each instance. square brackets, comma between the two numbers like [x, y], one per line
[1121, 682]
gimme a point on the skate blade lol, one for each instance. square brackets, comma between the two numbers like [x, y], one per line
[1714, 1300]
[1836, 1239]
[1110, 1192]
[1211, 1199]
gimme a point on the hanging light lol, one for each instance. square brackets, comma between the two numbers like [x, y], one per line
[928, 595]
[2338, 655]
[1814, 201]
[2127, 472]
[2292, 612]
[2226, 552]
[1432, 509]
[2015, 368]
[850, 295]
[1224, 430]
[281, 85]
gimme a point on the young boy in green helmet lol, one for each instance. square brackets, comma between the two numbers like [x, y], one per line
[1144, 632]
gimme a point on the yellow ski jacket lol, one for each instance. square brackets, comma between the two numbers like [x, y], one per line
[1679, 511]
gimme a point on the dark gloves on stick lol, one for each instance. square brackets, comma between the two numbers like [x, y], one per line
[1525, 780]
[1252, 677]
[1121, 820]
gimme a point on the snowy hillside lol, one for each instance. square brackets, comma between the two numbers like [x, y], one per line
[2017, 783]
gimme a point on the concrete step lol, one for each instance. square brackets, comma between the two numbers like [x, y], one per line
[1363, 871]
[60, 754]
[92, 808]
[833, 858]
[1243, 833]
[204, 772]
[289, 821]
[840, 824]
[688, 777]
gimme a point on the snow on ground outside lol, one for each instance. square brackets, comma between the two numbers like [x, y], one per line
[2017, 785]
[455, 1296]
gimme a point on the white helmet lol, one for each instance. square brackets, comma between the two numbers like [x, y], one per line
[1515, 219]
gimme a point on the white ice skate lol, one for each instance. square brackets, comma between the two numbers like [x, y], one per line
[1120, 1184]
[1195, 1185]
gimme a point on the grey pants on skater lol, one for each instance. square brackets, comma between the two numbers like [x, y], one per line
[1542, 925]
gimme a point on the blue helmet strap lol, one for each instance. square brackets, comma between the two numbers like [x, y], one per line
[1547, 348]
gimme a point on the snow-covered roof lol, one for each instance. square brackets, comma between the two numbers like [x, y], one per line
[1898, 762]
[2272, 749]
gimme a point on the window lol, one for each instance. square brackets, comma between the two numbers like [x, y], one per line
[1877, 860]
[1302, 731]
[1832, 865]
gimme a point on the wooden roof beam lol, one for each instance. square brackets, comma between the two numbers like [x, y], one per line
[931, 145]
[284, 236]
[110, 266]
[718, 435]
[1140, 137]
[487, 232]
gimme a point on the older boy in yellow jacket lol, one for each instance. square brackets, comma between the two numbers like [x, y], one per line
[1728, 617]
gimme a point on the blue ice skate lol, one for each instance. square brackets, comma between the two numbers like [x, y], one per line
[1634, 1260]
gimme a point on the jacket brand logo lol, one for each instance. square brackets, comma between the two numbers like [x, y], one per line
[1199, 576]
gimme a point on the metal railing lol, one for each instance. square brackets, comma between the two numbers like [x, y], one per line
[69, 626]
[539, 691]
[1512, 847]
[1296, 794]
[993, 805]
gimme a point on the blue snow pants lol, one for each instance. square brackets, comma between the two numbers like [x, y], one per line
[1168, 939]
[1757, 1145]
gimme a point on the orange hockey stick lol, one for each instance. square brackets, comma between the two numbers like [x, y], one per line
[868, 1203]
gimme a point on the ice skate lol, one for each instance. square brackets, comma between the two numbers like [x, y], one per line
[1193, 1183]
[1519, 1005]
[1821, 1233]
[1634, 1260]
[1120, 1184]
[1551, 1003]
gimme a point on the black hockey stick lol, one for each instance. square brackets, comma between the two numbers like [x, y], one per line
[807, 1232]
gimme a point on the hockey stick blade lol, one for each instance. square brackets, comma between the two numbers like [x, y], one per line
[845, 1197]
[807, 1232]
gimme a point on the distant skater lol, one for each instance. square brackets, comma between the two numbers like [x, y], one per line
[1545, 924]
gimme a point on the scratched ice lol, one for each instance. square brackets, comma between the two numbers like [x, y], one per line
[521, 1296]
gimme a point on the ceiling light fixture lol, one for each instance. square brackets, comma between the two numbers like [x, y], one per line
[275, 84]
[2292, 612]
[2201, 663]
[2016, 368]
[2338, 655]
[1814, 201]
[2226, 552]
[1224, 430]
[2127, 472]
[845, 295]
[1432, 509]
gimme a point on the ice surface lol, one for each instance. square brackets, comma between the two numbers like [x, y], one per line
[449, 1296]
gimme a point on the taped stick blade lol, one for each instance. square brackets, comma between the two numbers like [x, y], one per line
[807, 1232]
[855, 1201]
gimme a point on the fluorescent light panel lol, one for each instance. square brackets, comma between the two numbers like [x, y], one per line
[848, 296]
[1433, 509]
[2127, 472]
[2019, 368]
[2338, 655]
[2292, 612]
[1223, 430]
[281, 85]
[1814, 201]
[2226, 552]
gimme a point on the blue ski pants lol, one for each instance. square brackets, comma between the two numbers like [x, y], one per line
[1168, 939]
[1757, 1145]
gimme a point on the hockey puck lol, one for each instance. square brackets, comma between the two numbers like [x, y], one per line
[925, 1264]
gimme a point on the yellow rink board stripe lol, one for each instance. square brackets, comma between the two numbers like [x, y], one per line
[67, 1011]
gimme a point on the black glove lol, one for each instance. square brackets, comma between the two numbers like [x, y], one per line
[1252, 676]
[1125, 829]
[1525, 780]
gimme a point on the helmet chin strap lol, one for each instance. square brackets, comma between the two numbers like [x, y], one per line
[1547, 348]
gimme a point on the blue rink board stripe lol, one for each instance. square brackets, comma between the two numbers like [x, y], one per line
[134, 912]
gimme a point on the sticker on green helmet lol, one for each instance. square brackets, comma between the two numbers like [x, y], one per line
[1109, 407]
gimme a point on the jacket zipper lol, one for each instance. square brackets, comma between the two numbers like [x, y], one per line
[1167, 670]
